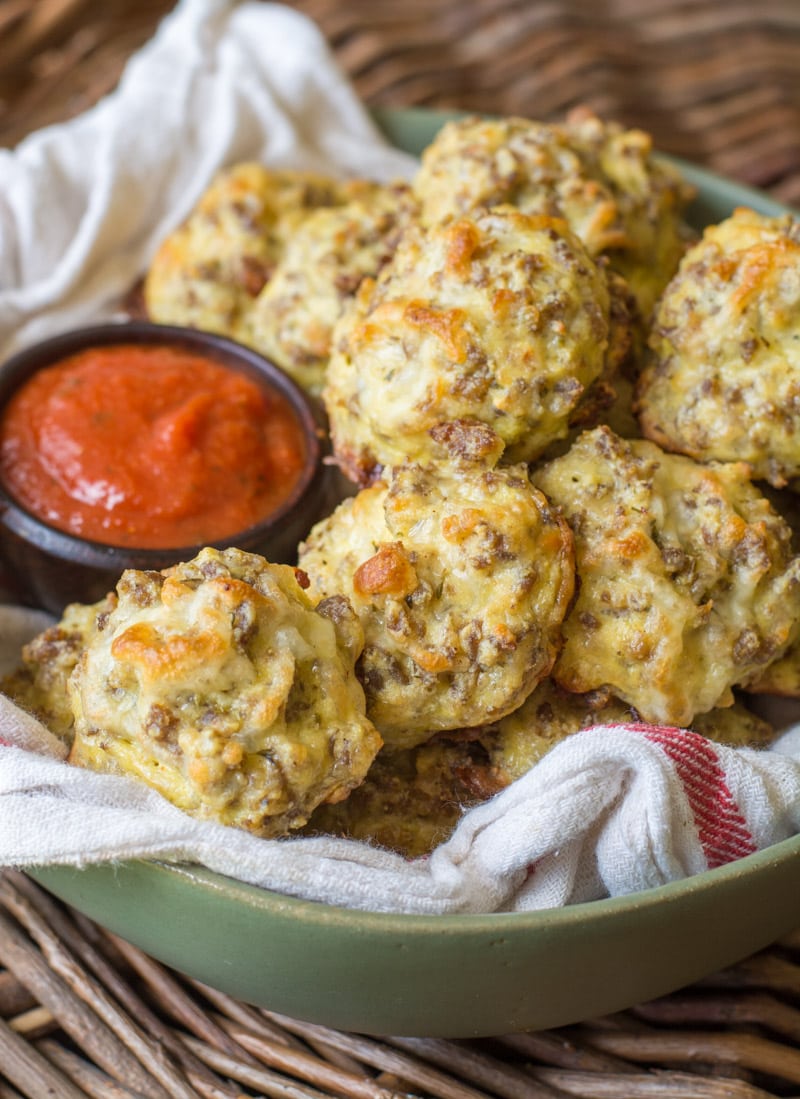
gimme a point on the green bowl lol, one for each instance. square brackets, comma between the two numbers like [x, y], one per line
[449, 976]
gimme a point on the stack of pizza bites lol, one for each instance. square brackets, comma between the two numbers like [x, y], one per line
[570, 431]
[722, 381]
[602, 179]
[269, 258]
[523, 301]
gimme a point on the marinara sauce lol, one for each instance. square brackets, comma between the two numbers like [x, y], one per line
[149, 446]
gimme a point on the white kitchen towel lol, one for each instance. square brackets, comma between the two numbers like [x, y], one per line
[609, 811]
[84, 204]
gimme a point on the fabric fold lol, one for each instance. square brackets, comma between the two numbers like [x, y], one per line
[605, 813]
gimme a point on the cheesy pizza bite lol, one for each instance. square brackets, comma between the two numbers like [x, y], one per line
[210, 270]
[460, 575]
[499, 319]
[782, 676]
[218, 684]
[319, 270]
[617, 197]
[550, 714]
[39, 684]
[412, 799]
[687, 583]
[723, 380]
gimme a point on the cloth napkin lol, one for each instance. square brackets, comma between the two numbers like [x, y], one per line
[609, 811]
[83, 205]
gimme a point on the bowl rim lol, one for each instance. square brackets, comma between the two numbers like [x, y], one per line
[24, 363]
[391, 923]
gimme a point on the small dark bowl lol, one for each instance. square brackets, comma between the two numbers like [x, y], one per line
[52, 568]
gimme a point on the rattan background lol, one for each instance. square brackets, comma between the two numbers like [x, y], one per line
[716, 81]
[83, 1014]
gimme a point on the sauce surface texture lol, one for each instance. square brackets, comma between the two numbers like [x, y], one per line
[149, 446]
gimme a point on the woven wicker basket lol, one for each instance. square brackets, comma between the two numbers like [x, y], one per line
[715, 81]
[84, 1014]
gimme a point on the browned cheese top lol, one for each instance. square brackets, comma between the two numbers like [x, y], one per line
[687, 585]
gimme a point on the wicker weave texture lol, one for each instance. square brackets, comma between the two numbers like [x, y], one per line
[84, 1014]
[715, 81]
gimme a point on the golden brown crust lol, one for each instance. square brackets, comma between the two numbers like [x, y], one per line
[550, 714]
[39, 684]
[207, 273]
[782, 677]
[723, 380]
[460, 577]
[687, 582]
[736, 726]
[604, 180]
[320, 269]
[268, 257]
[412, 800]
[218, 684]
[501, 320]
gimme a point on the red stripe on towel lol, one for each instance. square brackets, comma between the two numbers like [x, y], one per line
[722, 829]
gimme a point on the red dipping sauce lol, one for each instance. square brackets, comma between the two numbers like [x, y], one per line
[149, 446]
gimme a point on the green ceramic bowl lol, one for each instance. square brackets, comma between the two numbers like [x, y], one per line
[452, 976]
